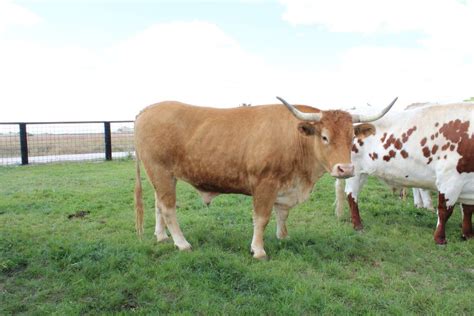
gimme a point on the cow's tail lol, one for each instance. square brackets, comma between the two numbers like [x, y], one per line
[340, 197]
[138, 198]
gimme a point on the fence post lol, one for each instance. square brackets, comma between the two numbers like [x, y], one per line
[23, 144]
[108, 141]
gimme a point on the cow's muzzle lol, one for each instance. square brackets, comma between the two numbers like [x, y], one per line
[343, 170]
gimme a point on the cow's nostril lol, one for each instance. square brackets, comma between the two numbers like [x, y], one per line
[340, 169]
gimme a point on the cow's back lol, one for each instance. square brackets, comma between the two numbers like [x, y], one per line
[220, 150]
[418, 146]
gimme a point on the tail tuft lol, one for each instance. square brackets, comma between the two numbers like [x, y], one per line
[138, 199]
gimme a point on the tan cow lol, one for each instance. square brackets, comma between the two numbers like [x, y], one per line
[269, 152]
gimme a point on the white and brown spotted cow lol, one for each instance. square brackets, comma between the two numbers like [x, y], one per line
[429, 147]
[270, 152]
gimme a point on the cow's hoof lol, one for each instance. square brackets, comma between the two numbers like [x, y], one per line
[184, 247]
[359, 228]
[467, 236]
[162, 237]
[440, 241]
[259, 254]
[263, 257]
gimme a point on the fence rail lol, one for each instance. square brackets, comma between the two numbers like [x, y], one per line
[42, 142]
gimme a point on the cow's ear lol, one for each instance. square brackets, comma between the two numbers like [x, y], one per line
[364, 130]
[308, 128]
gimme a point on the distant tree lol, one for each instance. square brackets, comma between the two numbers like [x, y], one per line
[245, 104]
[469, 100]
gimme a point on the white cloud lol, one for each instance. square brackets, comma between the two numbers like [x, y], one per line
[440, 68]
[14, 15]
[193, 62]
[370, 16]
[198, 63]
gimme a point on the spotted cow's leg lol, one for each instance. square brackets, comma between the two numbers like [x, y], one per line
[281, 213]
[444, 212]
[353, 186]
[264, 197]
[467, 211]
[426, 199]
[160, 226]
[417, 198]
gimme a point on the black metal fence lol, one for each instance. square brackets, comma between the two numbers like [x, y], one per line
[43, 142]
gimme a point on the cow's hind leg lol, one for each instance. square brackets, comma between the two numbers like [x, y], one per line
[263, 200]
[467, 211]
[165, 194]
[281, 213]
[160, 226]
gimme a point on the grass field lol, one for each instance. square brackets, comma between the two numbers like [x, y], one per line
[68, 246]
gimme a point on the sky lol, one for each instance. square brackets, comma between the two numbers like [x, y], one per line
[67, 60]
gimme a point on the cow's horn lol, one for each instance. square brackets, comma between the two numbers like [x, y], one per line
[315, 117]
[360, 118]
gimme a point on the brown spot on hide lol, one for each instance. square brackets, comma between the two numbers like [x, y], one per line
[411, 130]
[445, 146]
[423, 141]
[391, 154]
[432, 137]
[426, 152]
[456, 131]
[404, 137]
[354, 148]
[445, 156]
[436, 124]
[383, 137]
[436, 135]
[466, 150]
[389, 142]
[398, 144]
[429, 161]
[434, 149]
[360, 141]
[404, 154]
[373, 156]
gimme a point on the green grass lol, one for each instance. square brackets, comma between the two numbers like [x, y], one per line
[52, 264]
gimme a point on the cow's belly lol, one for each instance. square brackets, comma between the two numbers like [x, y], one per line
[467, 194]
[294, 194]
[412, 183]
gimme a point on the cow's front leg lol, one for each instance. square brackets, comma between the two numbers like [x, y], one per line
[354, 207]
[263, 199]
[281, 213]
[467, 211]
[353, 187]
[417, 198]
[444, 212]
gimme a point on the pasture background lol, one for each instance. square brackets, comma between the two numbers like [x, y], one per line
[52, 262]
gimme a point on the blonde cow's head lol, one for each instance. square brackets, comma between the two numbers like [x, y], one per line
[333, 133]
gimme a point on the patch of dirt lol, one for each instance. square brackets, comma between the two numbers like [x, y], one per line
[78, 214]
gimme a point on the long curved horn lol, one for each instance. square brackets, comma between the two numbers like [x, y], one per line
[315, 117]
[360, 118]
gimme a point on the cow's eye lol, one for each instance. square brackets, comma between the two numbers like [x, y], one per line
[325, 139]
